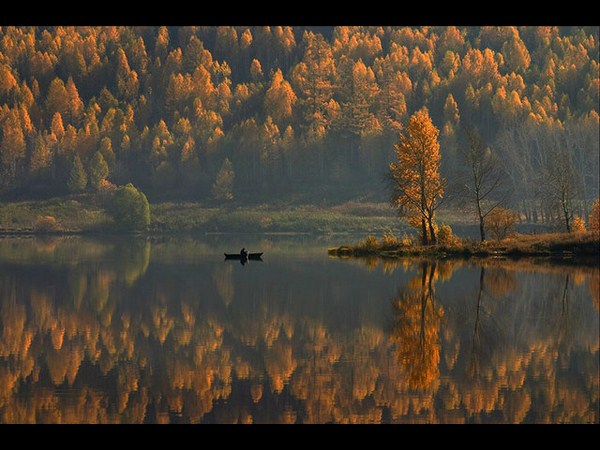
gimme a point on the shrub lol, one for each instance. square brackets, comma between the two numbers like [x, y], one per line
[500, 222]
[369, 243]
[578, 225]
[46, 224]
[129, 209]
[389, 239]
[407, 241]
[266, 222]
[446, 236]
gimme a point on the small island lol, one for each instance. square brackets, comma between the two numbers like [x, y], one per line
[580, 247]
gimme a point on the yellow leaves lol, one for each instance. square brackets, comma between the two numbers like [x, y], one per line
[256, 71]
[451, 112]
[418, 184]
[7, 80]
[179, 90]
[279, 98]
[12, 145]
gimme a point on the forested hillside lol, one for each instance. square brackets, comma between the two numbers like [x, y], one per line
[215, 113]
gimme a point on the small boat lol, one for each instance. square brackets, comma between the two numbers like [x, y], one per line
[240, 256]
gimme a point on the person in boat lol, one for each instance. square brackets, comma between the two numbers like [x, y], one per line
[243, 252]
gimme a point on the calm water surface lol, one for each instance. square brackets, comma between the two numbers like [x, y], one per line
[167, 331]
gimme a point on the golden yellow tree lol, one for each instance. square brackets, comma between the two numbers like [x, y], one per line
[416, 181]
[279, 98]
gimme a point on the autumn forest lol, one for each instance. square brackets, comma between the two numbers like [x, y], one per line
[253, 113]
[417, 208]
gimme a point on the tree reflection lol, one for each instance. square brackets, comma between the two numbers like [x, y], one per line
[81, 343]
[223, 281]
[594, 288]
[132, 258]
[473, 369]
[416, 328]
[500, 281]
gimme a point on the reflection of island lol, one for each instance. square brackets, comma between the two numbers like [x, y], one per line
[181, 342]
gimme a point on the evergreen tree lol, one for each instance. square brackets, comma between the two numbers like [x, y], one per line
[77, 178]
[223, 186]
[97, 170]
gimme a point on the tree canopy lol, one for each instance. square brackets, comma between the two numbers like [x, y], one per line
[129, 209]
[417, 187]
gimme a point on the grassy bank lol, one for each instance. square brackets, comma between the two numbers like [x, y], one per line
[75, 214]
[83, 214]
[564, 245]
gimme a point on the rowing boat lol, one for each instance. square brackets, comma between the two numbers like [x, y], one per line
[240, 256]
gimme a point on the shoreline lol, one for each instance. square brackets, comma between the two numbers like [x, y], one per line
[584, 247]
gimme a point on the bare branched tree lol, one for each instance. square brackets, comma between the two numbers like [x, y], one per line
[483, 177]
[561, 185]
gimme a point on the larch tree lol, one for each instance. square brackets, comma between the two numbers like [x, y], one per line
[57, 99]
[77, 178]
[74, 102]
[7, 81]
[484, 176]
[223, 186]
[127, 79]
[279, 98]
[12, 143]
[417, 186]
[41, 156]
[97, 170]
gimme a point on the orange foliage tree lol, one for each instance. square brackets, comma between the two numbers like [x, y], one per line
[416, 181]
[501, 221]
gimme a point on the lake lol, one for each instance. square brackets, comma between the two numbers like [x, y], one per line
[164, 330]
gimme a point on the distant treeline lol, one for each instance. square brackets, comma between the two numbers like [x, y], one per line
[277, 110]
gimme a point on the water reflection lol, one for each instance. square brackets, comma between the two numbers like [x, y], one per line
[416, 328]
[134, 331]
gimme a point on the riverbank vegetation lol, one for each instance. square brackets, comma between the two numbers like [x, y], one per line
[584, 244]
[85, 213]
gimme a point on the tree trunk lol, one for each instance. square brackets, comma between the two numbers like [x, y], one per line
[565, 208]
[432, 231]
[424, 239]
[481, 228]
